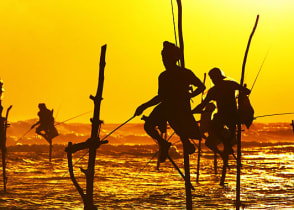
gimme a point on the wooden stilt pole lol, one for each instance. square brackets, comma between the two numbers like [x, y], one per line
[50, 150]
[4, 126]
[239, 152]
[225, 166]
[3, 151]
[179, 170]
[199, 146]
[187, 181]
[198, 161]
[215, 163]
[92, 143]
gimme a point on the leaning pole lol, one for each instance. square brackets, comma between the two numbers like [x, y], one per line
[239, 152]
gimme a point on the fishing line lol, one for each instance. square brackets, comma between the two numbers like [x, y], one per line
[72, 118]
[259, 71]
[269, 115]
[143, 168]
[25, 134]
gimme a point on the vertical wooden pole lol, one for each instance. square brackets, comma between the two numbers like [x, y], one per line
[215, 163]
[96, 123]
[238, 184]
[50, 150]
[3, 150]
[199, 147]
[92, 143]
[187, 181]
[198, 161]
[4, 125]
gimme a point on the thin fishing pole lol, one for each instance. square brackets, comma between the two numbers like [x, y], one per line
[175, 32]
[259, 71]
[72, 118]
[25, 134]
[152, 156]
[117, 128]
[56, 113]
[269, 115]
[143, 167]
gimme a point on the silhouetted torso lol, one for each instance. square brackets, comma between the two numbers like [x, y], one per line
[45, 116]
[224, 95]
[173, 90]
[174, 86]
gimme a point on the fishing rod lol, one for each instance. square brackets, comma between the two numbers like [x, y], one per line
[259, 71]
[72, 118]
[118, 127]
[25, 134]
[269, 115]
[153, 156]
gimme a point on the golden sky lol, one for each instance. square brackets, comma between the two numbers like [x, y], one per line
[50, 49]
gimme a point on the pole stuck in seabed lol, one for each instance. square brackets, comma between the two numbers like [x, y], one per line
[199, 145]
[239, 152]
[92, 144]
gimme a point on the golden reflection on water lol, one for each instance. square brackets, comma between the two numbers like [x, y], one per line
[267, 181]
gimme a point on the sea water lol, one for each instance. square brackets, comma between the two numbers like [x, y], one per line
[124, 180]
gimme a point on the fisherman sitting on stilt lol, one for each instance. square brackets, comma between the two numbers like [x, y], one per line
[46, 126]
[174, 103]
[225, 121]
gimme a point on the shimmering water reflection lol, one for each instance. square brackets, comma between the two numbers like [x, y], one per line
[267, 181]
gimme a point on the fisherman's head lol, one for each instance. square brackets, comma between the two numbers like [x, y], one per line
[42, 106]
[170, 54]
[216, 75]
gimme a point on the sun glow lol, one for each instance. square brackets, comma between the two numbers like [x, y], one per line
[56, 46]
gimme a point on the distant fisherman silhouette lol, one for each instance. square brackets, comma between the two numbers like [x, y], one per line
[174, 103]
[46, 123]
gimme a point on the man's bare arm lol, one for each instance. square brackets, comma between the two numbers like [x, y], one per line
[197, 83]
[155, 100]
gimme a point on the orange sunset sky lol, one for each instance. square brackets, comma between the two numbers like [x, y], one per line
[50, 49]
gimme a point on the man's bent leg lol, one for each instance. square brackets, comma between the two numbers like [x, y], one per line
[155, 119]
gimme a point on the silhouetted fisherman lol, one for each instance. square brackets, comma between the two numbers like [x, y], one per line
[46, 123]
[174, 94]
[225, 121]
[292, 125]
